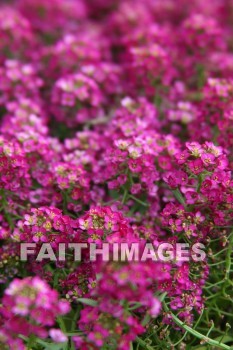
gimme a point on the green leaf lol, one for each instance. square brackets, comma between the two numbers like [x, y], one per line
[52, 346]
[179, 197]
[162, 296]
[87, 301]
[146, 320]
[135, 306]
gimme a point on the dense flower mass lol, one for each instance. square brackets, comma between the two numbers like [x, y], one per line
[116, 126]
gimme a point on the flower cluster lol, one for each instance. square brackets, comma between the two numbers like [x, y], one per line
[18, 80]
[115, 324]
[115, 127]
[45, 224]
[79, 93]
[28, 307]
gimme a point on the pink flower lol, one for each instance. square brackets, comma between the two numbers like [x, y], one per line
[196, 166]
[207, 158]
[156, 307]
[57, 335]
[135, 165]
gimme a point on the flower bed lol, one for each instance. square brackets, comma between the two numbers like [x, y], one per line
[116, 189]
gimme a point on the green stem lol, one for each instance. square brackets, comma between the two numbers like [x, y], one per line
[138, 200]
[196, 333]
[144, 344]
[124, 199]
